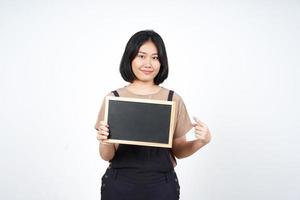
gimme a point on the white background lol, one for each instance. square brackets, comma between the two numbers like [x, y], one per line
[235, 63]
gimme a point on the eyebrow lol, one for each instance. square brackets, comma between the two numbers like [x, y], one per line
[146, 53]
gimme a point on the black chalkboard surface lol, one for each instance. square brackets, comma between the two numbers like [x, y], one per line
[140, 121]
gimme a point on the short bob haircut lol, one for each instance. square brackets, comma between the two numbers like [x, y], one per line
[131, 50]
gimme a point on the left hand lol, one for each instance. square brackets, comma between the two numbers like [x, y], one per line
[201, 131]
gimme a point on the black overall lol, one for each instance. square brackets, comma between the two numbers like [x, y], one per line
[140, 173]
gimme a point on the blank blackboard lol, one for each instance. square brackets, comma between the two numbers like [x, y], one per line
[140, 121]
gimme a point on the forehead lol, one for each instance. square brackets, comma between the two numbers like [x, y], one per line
[148, 47]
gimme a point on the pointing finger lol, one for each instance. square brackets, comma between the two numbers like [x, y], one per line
[199, 122]
[196, 119]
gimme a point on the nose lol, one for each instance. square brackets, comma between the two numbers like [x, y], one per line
[148, 62]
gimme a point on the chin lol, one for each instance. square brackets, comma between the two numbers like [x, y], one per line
[145, 78]
[147, 81]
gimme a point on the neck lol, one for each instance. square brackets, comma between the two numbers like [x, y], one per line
[140, 87]
[143, 84]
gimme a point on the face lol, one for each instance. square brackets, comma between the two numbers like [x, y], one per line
[146, 65]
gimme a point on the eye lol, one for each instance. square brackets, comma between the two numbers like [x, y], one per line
[141, 56]
[155, 57]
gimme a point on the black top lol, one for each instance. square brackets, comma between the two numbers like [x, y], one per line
[142, 159]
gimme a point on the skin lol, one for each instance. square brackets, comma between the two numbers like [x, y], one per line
[146, 66]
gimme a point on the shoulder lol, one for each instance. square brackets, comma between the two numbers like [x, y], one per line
[118, 90]
[176, 96]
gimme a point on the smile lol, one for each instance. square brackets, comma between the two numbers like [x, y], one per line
[146, 71]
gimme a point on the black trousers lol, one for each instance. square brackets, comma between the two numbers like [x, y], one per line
[117, 185]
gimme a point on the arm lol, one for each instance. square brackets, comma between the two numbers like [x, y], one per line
[106, 150]
[182, 148]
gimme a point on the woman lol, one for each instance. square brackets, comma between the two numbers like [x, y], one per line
[140, 172]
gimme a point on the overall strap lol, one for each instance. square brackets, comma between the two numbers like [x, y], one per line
[170, 96]
[115, 93]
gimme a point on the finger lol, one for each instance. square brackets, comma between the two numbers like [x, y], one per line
[101, 137]
[104, 123]
[200, 128]
[200, 132]
[197, 126]
[104, 128]
[196, 119]
[101, 132]
[201, 136]
[199, 122]
[101, 124]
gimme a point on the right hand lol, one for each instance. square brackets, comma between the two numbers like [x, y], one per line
[102, 134]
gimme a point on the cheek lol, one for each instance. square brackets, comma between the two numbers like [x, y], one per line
[157, 66]
[134, 65]
[138, 63]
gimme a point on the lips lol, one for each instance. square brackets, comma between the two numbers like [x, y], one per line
[147, 72]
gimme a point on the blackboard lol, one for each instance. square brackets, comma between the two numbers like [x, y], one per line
[140, 121]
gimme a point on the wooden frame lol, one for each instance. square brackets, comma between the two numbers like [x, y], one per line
[155, 118]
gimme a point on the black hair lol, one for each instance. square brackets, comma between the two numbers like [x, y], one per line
[131, 50]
